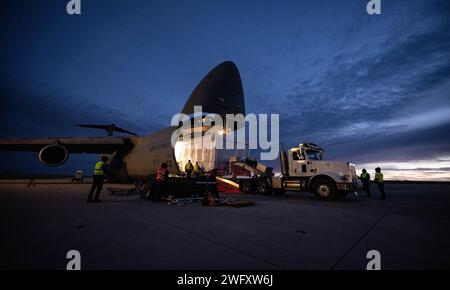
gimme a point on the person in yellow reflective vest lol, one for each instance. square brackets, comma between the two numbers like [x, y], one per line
[196, 170]
[379, 180]
[365, 179]
[98, 178]
[188, 169]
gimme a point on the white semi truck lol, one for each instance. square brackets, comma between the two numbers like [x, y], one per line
[302, 169]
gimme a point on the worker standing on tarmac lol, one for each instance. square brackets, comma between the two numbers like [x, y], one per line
[365, 178]
[188, 169]
[196, 170]
[160, 186]
[98, 178]
[379, 180]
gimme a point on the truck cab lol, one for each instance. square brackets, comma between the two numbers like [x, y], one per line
[327, 179]
[303, 158]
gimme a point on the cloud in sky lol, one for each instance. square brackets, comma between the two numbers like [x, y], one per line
[370, 100]
[431, 169]
[370, 89]
[26, 111]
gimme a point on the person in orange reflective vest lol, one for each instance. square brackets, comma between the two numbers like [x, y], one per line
[159, 186]
[163, 173]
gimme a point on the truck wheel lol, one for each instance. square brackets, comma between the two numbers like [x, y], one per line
[246, 186]
[324, 189]
[263, 186]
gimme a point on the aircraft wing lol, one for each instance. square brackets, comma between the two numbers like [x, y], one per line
[72, 144]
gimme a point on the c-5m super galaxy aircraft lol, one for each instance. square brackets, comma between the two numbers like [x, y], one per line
[135, 157]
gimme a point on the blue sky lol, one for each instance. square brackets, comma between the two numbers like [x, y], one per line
[370, 89]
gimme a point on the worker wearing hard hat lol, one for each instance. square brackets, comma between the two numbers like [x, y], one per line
[188, 169]
[196, 170]
[379, 180]
[365, 179]
[98, 178]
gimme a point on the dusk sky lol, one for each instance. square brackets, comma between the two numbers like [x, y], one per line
[372, 90]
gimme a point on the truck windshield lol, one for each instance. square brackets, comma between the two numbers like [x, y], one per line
[313, 155]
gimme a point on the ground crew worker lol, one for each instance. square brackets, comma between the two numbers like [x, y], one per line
[188, 169]
[196, 170]
[379, 180]
[98, 178]
[159, 188]
[163, 173]
[365, 178]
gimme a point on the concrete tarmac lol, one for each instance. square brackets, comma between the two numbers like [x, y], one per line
[294, 231]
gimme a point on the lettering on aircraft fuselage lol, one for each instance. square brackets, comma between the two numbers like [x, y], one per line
[213, 138]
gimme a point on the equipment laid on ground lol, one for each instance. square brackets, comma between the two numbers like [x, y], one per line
[179, 187]
[183, 201]
[302, 169]
[124, 191]
[211, 200]
[238, 203]
[78, 178]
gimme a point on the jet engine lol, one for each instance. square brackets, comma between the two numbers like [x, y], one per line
[53, 155]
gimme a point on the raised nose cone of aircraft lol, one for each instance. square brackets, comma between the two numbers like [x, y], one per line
[219, 92]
